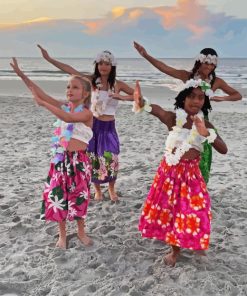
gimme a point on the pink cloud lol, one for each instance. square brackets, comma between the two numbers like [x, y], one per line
[94, 27]
[188, 14]
[185, 14]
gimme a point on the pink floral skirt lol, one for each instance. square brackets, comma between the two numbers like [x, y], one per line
[177, 209]
[67, 190]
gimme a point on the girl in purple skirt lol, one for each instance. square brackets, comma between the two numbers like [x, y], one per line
[67, 189]
[104, 147]
[177, 209]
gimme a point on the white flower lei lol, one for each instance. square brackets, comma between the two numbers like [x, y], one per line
[210, 59]
[106, 56]
[173, 158]
[98, 106]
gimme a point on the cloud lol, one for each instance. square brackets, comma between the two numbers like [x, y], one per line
[186, 14]
[94, 27]
[118, 11]
[38, 20]
[180, 30]
[179, 16]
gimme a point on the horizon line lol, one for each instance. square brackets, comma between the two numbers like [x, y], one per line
[78, 57]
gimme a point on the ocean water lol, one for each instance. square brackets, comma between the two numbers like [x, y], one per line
[233, 71]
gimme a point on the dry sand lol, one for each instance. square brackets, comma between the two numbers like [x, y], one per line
[120, 262]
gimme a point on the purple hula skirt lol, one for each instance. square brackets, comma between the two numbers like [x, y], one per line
[103, 150]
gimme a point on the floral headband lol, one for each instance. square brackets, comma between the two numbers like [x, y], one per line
[210, 59]
[205, 87]
[106, 56]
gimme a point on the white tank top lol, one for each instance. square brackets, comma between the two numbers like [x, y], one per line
[81, 132]
[108, 104]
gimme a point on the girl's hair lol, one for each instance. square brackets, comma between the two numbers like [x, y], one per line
[205, 51]
[86, 86]
[185, 93]
[111, 78]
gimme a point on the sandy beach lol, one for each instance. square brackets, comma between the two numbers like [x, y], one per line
[120, 262]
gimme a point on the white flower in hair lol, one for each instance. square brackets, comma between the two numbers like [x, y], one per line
[210, 59]
[106, 56]
[205, 87]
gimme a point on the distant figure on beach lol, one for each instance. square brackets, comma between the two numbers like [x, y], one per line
[177, 209]
[67, 189]
[204, 68]
[104, 147]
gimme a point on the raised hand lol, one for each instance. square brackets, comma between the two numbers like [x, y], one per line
[44, 52]
[142, 51]
[200, 125]
[138, 101]
[16, 68]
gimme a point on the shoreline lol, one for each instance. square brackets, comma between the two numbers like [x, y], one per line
[157, 95]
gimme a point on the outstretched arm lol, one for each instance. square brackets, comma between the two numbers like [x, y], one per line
[31, 85]
[179, 74]
[83, 116]
[64, 67]
[232, 94]
[164, 116]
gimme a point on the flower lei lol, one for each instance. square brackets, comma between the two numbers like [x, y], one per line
[60, 140]
[205, 87]
[210, 59]
[208, 80]
[173, 158]
[98, 106]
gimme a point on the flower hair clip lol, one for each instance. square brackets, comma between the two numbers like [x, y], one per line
[106, 56]
[210, 59]
[205, 87]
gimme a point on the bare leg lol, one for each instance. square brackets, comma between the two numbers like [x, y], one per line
[98, 194]
[171, 258]
[112, 192]
[81, 233]
[61, 243]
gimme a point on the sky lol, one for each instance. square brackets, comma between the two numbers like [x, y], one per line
[81, 28]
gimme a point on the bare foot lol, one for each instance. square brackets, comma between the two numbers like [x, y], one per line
[98, 196]
[61, 243]
[113, 195]
[171, 258]
[86, 240]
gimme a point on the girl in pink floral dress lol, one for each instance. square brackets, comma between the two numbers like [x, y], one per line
[177, 209]
[66, 193]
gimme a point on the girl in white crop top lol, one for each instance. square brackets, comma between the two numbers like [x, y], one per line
[177, 209]
[104, 147]
[67, 190]
[204, 67]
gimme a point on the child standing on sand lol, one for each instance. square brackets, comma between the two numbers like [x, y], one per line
[204, 68]
[177, 209]
[66, 195]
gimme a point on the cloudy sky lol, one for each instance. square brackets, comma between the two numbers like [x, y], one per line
[81, 28]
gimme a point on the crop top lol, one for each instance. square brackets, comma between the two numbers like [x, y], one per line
[80, 132]
[103, 104]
